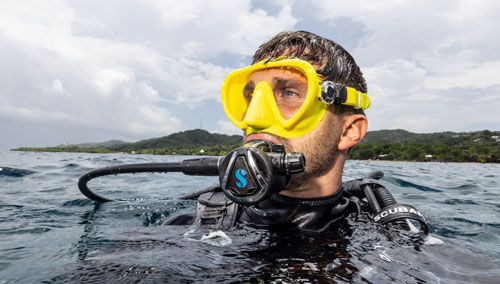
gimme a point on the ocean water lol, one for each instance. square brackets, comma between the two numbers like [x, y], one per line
[51, 233]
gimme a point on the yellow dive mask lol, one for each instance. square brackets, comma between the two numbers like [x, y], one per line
[283, 97]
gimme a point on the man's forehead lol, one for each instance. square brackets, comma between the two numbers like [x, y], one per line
[277, 75]
[278, 71]
[318, 67]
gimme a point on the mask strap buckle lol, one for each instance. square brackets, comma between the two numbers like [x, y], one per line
[333, 93]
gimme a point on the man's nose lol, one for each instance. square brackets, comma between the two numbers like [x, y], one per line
[259, 113]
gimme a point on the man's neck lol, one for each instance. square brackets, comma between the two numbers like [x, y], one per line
[312, 187]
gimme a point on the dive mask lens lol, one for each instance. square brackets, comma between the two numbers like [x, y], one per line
[289, 89]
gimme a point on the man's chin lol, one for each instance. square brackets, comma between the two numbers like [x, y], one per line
[299, 181]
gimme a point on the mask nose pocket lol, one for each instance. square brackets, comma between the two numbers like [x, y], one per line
[259, 113]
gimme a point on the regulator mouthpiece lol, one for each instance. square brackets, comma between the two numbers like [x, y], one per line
[254, 172]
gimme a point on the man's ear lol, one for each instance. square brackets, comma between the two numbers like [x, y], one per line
[354, 129]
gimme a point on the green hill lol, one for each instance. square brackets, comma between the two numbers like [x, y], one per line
[186, 139]
[186, 142]
[396, 136]
[191, 142]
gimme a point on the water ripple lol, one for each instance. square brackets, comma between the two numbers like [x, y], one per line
[81, 202]
[13, 172]
[404, 183]
[464, 187]
[460, 201]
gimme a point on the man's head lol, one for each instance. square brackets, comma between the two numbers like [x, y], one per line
[280, 91]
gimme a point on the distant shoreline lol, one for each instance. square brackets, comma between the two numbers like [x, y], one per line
[349, 159]
[425, 162]
[381, 145]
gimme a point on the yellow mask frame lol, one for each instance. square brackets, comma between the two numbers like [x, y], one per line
[262, 115]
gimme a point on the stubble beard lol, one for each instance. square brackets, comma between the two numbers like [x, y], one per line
[320, 151]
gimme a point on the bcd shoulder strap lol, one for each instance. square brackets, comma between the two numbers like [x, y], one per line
[382, 203]
[214, 210]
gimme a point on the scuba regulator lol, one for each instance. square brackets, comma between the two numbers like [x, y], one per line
[267, 167]
[247, 175]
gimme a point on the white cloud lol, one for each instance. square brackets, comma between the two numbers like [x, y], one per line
[57, 87]
[222, 26]
[108, 80]
[397, 74]
[119, 66]
[430, 65]
[441, 36]
[226, 127]
[473, 74]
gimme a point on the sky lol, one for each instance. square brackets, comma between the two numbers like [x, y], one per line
[92, 71]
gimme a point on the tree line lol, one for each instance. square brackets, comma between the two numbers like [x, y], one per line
[482, 153]
[400, 145]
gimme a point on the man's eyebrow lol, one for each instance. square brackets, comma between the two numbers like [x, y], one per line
[281, 81]
[277, 81]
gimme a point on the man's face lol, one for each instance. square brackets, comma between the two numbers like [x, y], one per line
[318, 146]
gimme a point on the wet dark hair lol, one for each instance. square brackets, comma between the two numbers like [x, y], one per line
[337, 64]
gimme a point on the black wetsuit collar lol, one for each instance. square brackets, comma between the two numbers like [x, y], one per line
[310, 214]
[317, 201]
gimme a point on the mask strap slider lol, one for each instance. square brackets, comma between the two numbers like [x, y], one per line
[360, 101]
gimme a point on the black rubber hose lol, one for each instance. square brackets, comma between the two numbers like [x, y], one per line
[384, 197]
[372, 199]
[123, 169]
[208, 166]
[369, 191]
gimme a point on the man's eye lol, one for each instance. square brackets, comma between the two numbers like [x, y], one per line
[289, 93]
[247, 94]
[248, 91]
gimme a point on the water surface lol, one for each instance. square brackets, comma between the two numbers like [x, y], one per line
[51, 233]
